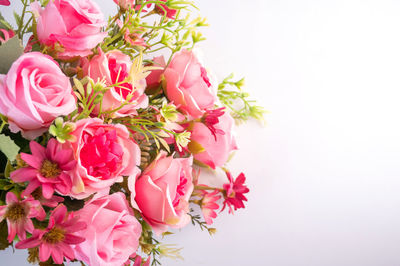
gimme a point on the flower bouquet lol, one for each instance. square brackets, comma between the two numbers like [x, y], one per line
[107, 128]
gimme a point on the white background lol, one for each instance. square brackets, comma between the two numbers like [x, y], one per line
[324, 172]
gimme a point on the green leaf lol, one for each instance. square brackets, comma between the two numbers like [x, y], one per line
[8, 147]
[9, 52]
[3, 235]
[4, 24]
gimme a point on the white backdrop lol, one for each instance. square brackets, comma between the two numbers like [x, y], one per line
[324, 173]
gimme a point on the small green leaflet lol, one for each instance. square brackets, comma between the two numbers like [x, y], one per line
[9, 52]
[8, 147]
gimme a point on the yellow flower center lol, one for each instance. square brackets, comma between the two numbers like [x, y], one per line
[54, 236]
[15, 212]
[49, 169]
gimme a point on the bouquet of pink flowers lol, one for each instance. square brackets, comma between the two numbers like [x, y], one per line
[106, 127]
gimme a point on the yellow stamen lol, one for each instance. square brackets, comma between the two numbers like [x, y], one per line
[15, 212]
[54, 236]
[49, 169]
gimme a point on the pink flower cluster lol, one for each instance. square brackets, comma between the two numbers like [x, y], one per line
[111, 138]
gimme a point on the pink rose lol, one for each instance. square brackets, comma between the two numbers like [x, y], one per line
[112, 66]
[215, 146]
[112, 232]
[162, 192]
[153, 80]
[33, 93]
[104, 153]
[188, 84]
[74, 24]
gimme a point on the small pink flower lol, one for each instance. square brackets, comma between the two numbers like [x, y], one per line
[210, 119]
[47, 168]
[4, 2]
[164, 10]
[7, 35]
[138, 261]
[134, 38]
[51, 202]
[209, 205]
[57, 238]
[234, 192]
[18, 214]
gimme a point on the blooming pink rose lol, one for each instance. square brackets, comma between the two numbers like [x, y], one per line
[112, 232]
[33, 93]
[104, 153]
[162, 192]
[216, 147]
[188, 85]
[114, 67]
[74, 24]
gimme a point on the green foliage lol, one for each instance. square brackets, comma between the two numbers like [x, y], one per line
[3, 235]
[9, 52]
[232, 96]
[8, 147]
[62, 131]
[4, 24]
[196, 219]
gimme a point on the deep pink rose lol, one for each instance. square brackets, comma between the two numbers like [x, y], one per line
[188, 85]
[33, 93]
[104, 153]
[74, 24]
[112, 232]
[162, 192]
[114, 67]
[217, 146]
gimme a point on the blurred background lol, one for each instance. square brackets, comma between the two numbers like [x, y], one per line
[324, 172]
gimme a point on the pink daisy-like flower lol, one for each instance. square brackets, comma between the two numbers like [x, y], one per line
[57, 238]
[210, 119]
[18, 215]
[47, 167]
[209, 205]
[233, 192]
[51, 202]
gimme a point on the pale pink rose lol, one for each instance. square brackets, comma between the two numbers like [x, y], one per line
[189, 85]
[33, 93]
[162, 192]
[112, 232]
[114, 67]
[217, 145]
[74, 24]
[104, 154]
